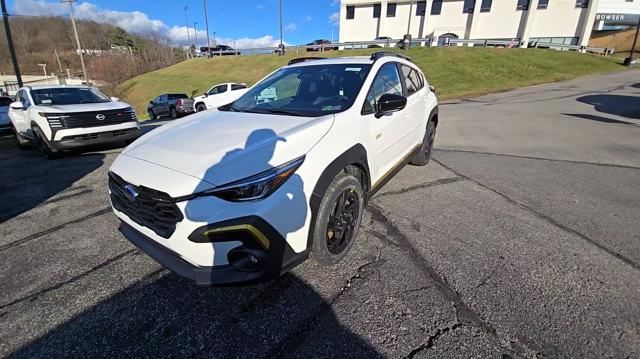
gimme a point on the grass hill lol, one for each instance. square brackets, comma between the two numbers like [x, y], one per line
[456, 72]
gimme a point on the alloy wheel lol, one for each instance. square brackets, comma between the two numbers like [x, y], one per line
[342, 221]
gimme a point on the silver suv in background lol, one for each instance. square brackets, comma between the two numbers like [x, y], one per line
[5, 126]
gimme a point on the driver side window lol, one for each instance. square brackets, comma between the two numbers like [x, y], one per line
[218, 90]
[387, 81]
[24, 98]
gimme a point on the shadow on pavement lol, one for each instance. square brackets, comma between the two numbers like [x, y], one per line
[619, 105]
[636, 85]
[600, 119]
[166, 316]
[27, 179]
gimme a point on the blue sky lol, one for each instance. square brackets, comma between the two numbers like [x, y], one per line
[248, 23]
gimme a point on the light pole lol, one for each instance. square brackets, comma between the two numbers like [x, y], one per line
[12, 50]
[206, 21]
[214, 39]
[75, 32]
[44, 70]
[407, 38]
[195, 31]
[630, 60]
[281, 46]
[186, 22]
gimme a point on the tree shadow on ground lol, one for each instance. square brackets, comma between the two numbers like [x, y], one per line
[166, 316]
[619, 105]
[597, 118]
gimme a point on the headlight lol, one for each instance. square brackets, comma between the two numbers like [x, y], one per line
[257, 186]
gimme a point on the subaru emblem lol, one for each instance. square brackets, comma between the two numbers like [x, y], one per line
[130, 192]
[100, 117]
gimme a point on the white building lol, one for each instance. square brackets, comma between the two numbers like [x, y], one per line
[557, 21]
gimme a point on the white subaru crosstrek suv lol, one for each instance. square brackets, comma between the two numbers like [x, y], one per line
[246, 193]
[63, 117]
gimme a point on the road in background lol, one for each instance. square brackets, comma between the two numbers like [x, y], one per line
[519, 239]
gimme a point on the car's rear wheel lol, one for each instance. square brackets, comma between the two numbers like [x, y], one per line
[201, 107]
[21, 142]
[338, 219]
[422, 157]
[173, 113]
[45, 148]
[152, 115]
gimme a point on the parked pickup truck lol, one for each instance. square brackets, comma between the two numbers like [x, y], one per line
[172, 105]
[219, 95]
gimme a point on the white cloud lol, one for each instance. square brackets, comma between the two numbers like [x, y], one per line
[335, 3]
[334, 19]
[308, 18]
[291, 27]
[260, 7]
[136, 22]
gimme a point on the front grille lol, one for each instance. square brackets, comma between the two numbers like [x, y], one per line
[152, 209]
[90, 119]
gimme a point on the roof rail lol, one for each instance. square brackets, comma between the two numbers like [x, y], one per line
[380, 54]
[303, 59]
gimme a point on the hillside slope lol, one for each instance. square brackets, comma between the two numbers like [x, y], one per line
[456, 72]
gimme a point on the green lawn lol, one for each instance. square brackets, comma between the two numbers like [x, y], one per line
[456, 72]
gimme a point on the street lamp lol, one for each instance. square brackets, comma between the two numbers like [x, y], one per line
[44, 70]
[206, 21]
[281, 46]
[195, 31]
[630, 60]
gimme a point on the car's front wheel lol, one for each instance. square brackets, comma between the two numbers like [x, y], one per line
[338, 219]
[152, 115]
[41, 141]
[200, 107]
[21, 142]
[422, 157]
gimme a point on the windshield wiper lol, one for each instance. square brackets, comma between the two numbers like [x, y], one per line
[281, 112]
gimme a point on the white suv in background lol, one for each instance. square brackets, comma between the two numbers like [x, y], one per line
[219, 95]
[61, 117]
[246, 193]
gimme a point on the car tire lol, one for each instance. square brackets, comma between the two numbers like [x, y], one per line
[21, 142]
[338, 219]
[422, 157]
[173, 113]
[152, 115]
[43, 145]
[201, 107]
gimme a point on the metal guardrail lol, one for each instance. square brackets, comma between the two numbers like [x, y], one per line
[419, 42]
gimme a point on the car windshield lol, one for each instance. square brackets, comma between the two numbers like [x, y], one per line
[309, 91]
[67, 96]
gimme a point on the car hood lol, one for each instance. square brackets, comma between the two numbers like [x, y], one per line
[221, 147]
[85, 107]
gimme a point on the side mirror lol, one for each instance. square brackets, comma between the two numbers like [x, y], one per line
[206, 94]
[432, 88]
[390, 103]
[16, 105]
[151, 103]
[115, 99]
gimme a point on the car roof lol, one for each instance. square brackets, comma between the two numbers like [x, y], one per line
[41, 87]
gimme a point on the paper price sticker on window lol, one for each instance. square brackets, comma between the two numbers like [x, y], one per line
[331, 108]
[353, 69]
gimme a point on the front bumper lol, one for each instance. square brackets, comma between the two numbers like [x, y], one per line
[89, 139]
[278, 260]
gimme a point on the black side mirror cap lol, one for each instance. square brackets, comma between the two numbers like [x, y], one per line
[432, 88]
[151, 103]
[390, 103]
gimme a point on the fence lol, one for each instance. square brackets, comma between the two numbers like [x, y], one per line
[419, 42]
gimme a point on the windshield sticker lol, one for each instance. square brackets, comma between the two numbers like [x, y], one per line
[331, 108]
[46, 102]
[354, 69]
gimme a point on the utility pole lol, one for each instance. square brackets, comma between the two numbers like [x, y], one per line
[55, 51]
[195, 31]
[407, 37]
[12, 50]
[186, 23]
[281, 53]
[630, 60]
[75, 32]
[206, 22]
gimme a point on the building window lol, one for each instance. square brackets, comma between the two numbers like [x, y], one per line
[436, 7]
[523, 5]
[376, 10]
[351, 12]
[421, 8]
[391, 10]
[468, 6]
[582, 3]
[543, 4]
[486, 5]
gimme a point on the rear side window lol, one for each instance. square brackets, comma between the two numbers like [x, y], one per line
[412, 79]
[386, 81]
[238, 87]
[177, 96]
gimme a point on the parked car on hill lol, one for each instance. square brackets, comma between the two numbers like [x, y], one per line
[388, 42]
[218, 95]
[320, 45]
[60, 117]
[5, 124]
[246, 193]
[170, 104]
[220, 50]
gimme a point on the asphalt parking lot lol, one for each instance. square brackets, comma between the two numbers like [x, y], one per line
[520, 239]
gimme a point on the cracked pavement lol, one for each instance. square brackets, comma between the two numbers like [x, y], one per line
[520, 239]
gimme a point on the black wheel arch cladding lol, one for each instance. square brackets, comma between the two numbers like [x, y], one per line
[354, 156]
